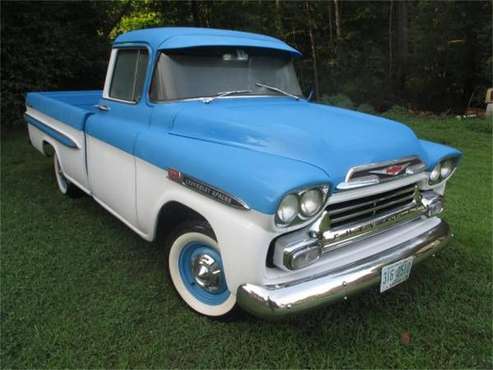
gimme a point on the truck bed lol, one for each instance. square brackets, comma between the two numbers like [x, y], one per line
[70, 107]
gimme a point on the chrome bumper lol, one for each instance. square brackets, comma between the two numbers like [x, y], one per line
[276, 301]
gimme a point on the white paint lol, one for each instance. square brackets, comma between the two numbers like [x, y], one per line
[112, 178]
[72, 160]
[176, 248]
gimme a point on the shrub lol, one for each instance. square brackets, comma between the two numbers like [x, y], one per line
[339, 100]
[397, 109]
[366, 108]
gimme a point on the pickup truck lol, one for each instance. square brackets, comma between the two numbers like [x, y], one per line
[269, 202]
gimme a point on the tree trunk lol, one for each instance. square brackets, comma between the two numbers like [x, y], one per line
[402, 21]
[331, 34]
[391, 9]
[313, 48]
[278, 19]
[194, 9]
[206, 13]
[338, 18]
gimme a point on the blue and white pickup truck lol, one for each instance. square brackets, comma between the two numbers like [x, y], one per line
[270, 202]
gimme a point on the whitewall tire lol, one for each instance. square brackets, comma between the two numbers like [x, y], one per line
[197, 272]
[64, 185]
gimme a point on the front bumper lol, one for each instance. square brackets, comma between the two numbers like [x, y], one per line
[276, 301]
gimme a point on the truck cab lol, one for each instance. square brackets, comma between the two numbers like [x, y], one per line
[270, 202]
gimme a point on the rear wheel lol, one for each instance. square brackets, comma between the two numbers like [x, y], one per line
[197, 271]
[64, 185]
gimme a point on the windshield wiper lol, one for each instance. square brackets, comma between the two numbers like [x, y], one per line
[225, 93]
[277, 90]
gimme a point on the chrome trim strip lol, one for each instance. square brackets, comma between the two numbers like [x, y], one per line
[371, 180]
[52, 132]
[277, 301]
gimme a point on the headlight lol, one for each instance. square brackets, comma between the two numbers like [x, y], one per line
[311, 202]
[442, 170]
[435, 174]
[446, 168]
[299, 206]
[288, 209]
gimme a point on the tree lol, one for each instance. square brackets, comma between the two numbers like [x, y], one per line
[313, 48]
[402, 24]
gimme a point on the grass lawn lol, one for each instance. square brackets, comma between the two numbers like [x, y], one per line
[80, 290]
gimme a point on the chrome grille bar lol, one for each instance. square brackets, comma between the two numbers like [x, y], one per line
[342, 235]
[407, 192]
[372, 210]
[367, 207]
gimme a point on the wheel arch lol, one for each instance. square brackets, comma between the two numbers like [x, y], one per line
[48, 148]
[173, 213]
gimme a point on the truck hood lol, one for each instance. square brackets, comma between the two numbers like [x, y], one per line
[329, 138]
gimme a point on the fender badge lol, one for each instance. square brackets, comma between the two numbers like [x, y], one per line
[206, 189]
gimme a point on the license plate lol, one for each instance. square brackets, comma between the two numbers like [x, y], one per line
[395, 273]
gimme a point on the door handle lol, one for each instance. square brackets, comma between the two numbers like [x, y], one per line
[102, 107]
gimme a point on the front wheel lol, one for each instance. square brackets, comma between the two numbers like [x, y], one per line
[64, 185]
[197, 271]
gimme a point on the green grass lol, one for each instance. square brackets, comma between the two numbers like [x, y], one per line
[79, 289]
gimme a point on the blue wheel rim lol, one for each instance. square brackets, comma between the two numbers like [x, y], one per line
[187, 255]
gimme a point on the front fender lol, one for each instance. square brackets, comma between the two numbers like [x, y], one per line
[243, 236]
[434, 153]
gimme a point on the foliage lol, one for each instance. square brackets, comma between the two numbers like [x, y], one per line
[141, 15]
[427, 55]
[339, 100]
[366, 108]
[81, 290]
[48, 47]
[396, 110]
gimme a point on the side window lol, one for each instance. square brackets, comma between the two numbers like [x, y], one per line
[129, 74]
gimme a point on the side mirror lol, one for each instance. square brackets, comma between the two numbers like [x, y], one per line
[310, 95]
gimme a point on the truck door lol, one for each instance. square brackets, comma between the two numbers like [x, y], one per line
[112, 132]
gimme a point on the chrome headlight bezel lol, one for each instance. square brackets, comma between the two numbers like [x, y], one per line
[437, 175]
[302, 214]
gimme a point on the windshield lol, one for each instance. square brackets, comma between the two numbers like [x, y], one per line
[206, 72]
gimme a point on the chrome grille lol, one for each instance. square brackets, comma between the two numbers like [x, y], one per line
[357, 210]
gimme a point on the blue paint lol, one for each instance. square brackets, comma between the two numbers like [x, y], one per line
[258, 149]
[186, 37]
[121, 125]
[69, 107]
[434, 153]
[259, 179]
[58, 136]
[187, 255]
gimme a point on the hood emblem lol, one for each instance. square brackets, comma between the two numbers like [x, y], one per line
[376, 173]
[393, 170]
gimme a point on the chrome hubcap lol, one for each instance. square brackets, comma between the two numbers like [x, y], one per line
[207, 272]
